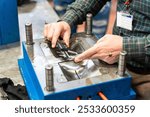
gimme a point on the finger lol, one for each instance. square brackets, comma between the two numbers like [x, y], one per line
[50, 33]
[100, 55]
[55, 37]
[66, 37]
[45, 30]
[95, 56]
[85, 55]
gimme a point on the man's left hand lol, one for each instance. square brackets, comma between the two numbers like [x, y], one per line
[106, 49]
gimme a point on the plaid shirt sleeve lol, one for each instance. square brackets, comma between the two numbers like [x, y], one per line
[137, 46]
[135, 41]
[76, 12]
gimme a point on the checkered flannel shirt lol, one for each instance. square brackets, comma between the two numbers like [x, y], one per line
[135, 42]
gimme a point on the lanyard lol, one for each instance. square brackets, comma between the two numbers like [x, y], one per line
[127, 3]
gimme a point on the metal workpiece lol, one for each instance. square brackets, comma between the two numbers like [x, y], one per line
[49, 78]
[81, 42]
[29, 34]
[122, 63]
[74, 71]
[63, 51]
[88, 28]
[64, 55]
[72, 52]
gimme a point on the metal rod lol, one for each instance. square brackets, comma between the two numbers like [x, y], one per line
[122, 63]
[30, 50]
[29, 35]
[49, 78]
[88, 24]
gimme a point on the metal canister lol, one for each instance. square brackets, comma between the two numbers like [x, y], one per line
[49, 77]
[122, 63]
[29, 35]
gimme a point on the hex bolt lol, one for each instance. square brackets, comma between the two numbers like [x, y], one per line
[29, 35]
[122, 63]
[49, 78]
[88, 27]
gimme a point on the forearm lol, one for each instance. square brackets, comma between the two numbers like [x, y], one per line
[76, 12]
[136, 46]
[112, 17]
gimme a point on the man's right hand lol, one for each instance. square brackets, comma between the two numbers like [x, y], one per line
[55, 30]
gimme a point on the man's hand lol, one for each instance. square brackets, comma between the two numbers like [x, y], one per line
[54, 30]
[106, 49]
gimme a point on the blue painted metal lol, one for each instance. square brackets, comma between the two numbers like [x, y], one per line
[119, 89]
[9, 29]
[30, 78]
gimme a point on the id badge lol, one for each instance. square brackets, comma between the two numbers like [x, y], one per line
[124, 20]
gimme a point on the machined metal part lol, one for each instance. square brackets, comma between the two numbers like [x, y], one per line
[74, 71]
[66, 54]
[72, 52]
[62, 46]
[29, 34]
[30, 50]
[122, 63]
[49, 78]
[88, 24]
[81, 41]
[63, 50]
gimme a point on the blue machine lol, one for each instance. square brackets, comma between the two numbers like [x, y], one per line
[51, 73]
[66, 87]
[9, 29]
